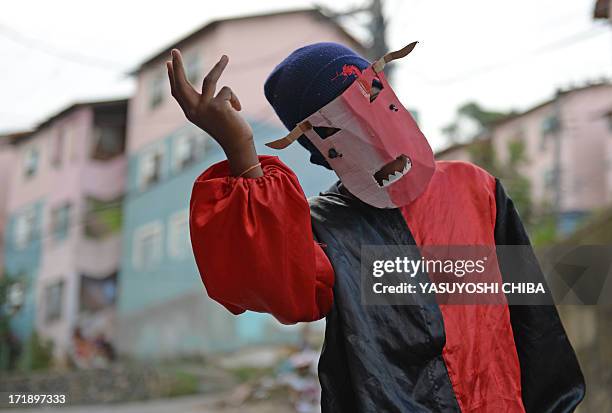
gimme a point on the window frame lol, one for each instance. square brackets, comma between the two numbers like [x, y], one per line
[57, 151]
[156, 90]
[193, 68]
[28, 216]
[175, 221]
[154, 228]
[31, 161]
[55, 220]
[56, 315]
[157, 150]
[193, 138]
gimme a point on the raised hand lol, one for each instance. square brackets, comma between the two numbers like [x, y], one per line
[217, 115]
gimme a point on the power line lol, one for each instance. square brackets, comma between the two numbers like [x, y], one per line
[516, 60]
[35, 44]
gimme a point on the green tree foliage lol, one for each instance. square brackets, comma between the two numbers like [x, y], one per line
[37, 354]
[543, 230]
[518, 186]
[473, 112]
[482, 153]
[483, 117]
[5, 329]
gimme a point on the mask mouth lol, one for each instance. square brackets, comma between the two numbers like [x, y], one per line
[393, 171]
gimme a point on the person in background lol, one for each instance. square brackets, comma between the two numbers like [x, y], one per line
[83, 350]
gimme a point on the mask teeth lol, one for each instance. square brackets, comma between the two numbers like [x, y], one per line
[392, 178]
[398, 174]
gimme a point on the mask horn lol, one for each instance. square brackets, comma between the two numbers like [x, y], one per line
[379, 65]
[287, 140]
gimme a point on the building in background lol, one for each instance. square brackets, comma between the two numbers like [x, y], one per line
[163, 309]
[602, 10]
[573, 129]
[62, 239]
[7, 167]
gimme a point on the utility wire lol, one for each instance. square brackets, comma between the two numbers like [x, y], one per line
[517, 60]
[35, 44]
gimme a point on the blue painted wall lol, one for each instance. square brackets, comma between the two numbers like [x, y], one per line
[23, 264]
[171, 278]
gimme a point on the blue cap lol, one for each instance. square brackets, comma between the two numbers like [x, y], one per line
[308, 79]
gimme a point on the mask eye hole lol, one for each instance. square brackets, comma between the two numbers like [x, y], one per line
[325, 131]
[333, 153]
[375, 89]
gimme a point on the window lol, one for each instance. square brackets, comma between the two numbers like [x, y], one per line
[30, 164]
[156, 90]
[102, 218]
[193, 69]
[57, 152]
[53, 301]
[15, 295]
[147, 246]
[178, 234]
[188, 148]
[151, 167]
[108, 142]
[97, 293]
[60, 221]
[550, 125]
[25, 228]
[70, 144]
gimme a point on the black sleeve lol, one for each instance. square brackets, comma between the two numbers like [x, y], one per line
[551, 378]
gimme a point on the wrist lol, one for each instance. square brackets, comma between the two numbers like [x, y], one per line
[241, 149]
[243, 157]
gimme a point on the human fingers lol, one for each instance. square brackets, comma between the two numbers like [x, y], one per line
[209, 84]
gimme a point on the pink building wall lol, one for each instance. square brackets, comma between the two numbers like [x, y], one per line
[72, 182]
[254, 46]
[586, 178]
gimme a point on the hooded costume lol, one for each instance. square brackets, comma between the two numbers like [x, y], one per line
[299, 260]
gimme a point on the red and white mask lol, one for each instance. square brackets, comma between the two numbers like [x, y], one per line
[370, 140]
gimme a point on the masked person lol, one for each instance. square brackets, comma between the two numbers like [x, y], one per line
[261, 246]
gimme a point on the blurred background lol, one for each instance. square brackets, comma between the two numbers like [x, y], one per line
[100, 295]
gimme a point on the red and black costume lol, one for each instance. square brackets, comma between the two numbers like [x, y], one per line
[261, 246]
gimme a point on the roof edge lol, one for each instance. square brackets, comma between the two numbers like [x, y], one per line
[21, 136]
[317, 12]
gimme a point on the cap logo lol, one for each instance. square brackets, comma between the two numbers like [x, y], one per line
[348, 70]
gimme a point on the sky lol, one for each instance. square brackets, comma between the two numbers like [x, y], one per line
[502, 54]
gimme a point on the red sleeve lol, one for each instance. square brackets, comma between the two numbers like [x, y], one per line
[253, 244]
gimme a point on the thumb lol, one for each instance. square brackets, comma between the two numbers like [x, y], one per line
[227, 94]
